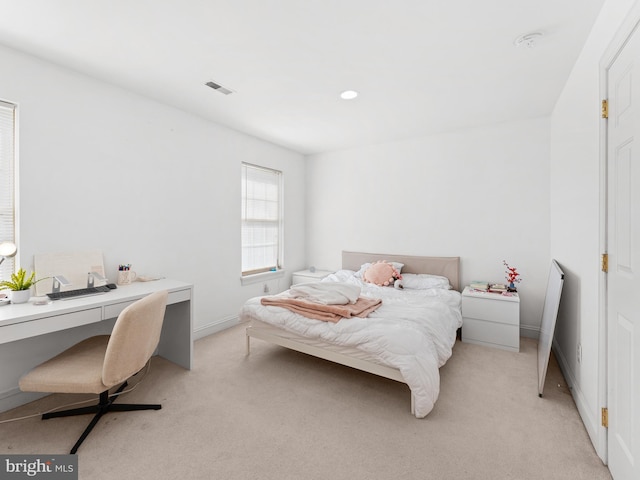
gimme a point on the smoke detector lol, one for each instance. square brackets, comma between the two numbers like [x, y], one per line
[529, 40]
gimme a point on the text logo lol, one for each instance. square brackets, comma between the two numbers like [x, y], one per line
[50, 467]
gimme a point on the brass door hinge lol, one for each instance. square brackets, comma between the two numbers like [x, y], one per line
[605, 109]
[605, 417]
[604, 262]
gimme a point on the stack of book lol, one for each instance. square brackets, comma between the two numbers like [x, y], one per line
[497, 288]
[479, 285]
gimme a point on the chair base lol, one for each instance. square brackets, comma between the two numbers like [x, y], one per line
[105, 405]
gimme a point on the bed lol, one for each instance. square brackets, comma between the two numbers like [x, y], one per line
[407, 339]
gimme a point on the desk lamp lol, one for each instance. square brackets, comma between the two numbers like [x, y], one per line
[7, 250]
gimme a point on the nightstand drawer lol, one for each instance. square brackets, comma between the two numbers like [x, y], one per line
[491, 334]
[493, 310]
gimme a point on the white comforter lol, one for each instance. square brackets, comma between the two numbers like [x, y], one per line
[413, 331]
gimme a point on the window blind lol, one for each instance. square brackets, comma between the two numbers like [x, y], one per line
[261, 219]
[7, 182]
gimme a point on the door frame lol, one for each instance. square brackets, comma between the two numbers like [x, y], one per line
[627, 27]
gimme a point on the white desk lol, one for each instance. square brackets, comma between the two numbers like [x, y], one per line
[21, 322]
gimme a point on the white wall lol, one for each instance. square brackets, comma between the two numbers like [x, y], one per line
[147, 184]
[481, 194]
[575, 219]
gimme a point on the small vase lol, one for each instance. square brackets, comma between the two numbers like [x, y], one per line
[20, 296]
[511, 287]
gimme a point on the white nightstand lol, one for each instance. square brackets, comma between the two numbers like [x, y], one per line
[491, 319]
[306, 276]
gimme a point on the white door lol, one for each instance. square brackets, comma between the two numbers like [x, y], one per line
[623, 244]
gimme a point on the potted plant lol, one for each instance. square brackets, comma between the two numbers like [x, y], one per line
[512, 277]
[20, 285]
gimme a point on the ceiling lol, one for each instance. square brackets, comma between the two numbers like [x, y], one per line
[420, 66]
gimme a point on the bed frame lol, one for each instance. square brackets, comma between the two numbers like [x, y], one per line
[445, 266]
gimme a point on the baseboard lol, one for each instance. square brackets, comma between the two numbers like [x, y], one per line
[215, 327]
[14, 397]
[591, 423]
[528, 331]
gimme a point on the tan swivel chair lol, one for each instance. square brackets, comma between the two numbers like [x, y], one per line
[99, 363]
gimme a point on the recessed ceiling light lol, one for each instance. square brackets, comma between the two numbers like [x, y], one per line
[348, 95]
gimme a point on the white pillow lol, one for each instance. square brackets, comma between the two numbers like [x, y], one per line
[398, 266]
[423, 281]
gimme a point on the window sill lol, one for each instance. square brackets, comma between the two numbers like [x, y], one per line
[261, 277]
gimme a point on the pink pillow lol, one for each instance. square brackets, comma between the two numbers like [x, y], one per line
[381, 273]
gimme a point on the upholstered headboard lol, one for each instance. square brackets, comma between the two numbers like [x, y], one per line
[445, 266]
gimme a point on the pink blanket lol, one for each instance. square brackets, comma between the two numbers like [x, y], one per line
[328, 313]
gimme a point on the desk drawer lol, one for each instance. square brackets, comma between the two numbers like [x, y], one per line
[179, 296]
[18, 331]
[112, 311]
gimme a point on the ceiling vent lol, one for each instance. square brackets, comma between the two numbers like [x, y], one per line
[219, 88]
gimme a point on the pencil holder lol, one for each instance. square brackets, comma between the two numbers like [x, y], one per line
[125, 277]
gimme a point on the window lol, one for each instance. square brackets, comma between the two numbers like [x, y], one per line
[7, 182]
[261, 219]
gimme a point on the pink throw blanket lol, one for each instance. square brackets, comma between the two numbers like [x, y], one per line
[328, 313]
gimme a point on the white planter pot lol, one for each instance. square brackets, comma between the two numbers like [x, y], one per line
[20, 296]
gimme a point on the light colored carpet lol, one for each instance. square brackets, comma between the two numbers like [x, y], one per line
[279, 414]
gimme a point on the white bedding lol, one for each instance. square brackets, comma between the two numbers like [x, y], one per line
[327, 293]
[413, 331]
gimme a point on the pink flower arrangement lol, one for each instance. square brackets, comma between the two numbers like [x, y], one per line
[512, 274]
